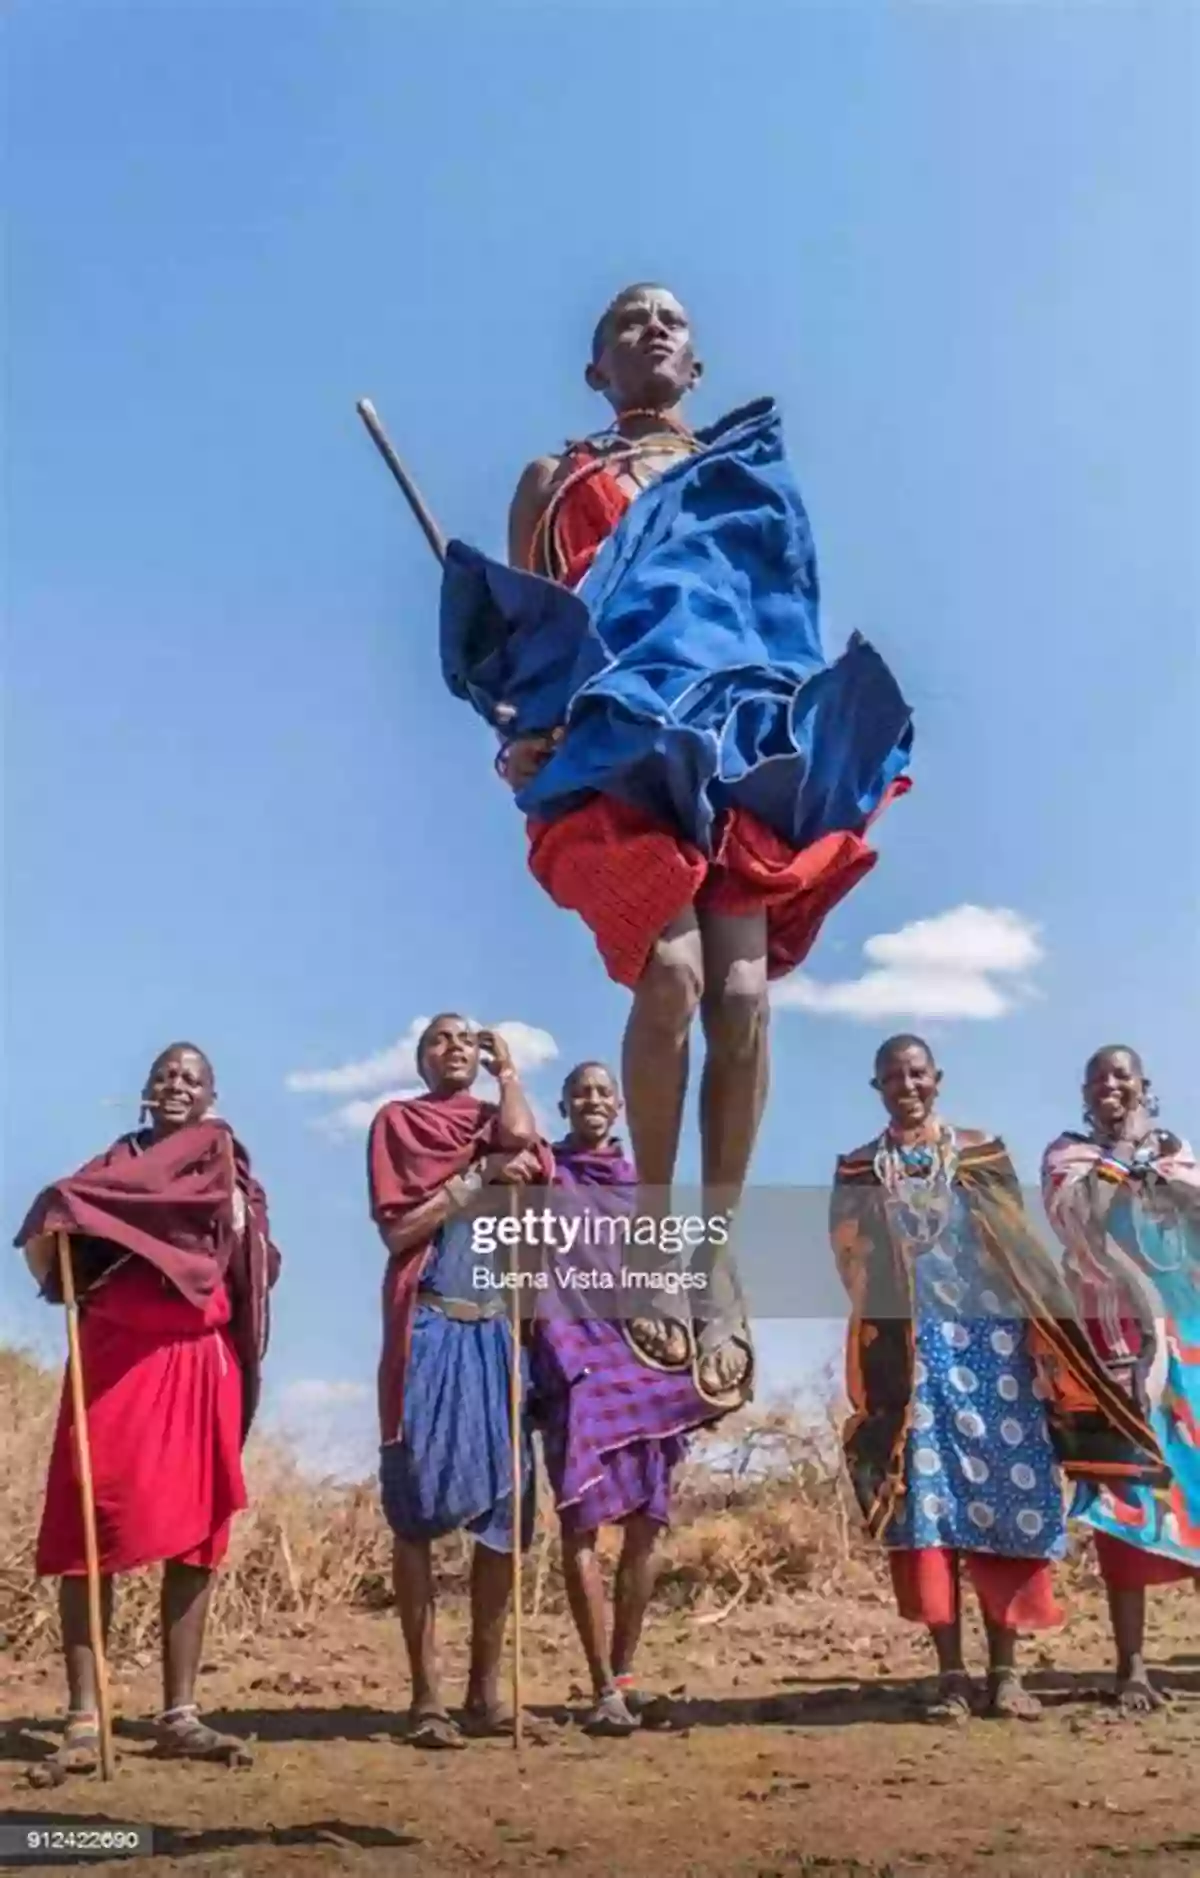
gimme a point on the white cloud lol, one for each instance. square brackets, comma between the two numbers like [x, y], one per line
[398, 1062]
[971, 962]
[316, 1393]
[354, 1118]
[390, 1075]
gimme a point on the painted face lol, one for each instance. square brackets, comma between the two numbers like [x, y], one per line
[1114, 1086]
[448, 1057]
[179, 1090]
[646, 360]
[907, 1080]
[591, 1103]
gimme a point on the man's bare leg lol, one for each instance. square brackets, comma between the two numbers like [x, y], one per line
[183, 1603]
[79, 1752]
[733, 1092]
[636, 1574]
[412, 1582]
[634, 1588]
[491, 1595]
[585, 1594]
[654, 1070]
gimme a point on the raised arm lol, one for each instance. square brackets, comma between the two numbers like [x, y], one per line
[514, 1126]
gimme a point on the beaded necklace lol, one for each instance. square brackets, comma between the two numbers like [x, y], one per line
[920, 1200]
[611, 452]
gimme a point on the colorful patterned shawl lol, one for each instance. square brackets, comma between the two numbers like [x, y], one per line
[1097, 1431]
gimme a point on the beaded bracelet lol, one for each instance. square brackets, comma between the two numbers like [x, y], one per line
[1109, 1168]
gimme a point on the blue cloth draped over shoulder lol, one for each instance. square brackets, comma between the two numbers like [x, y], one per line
[688, 669]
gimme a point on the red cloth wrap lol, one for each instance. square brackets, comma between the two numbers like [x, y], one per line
[171, 1204]
[627, 876]
[413, 1149]
[1132, 1568]
[1014, 1593]
[163, 1387]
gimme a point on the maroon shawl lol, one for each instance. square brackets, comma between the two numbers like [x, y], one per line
[413, 1149]
[190, 1207]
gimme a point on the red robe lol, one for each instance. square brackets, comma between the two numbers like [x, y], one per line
[173, 1263]
[413, 1149]
[625, 875]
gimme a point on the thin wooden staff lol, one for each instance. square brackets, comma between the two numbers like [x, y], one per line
[514, 1405]
[416, 501]
[87, 1498]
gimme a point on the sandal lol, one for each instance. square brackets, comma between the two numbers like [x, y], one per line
[665, 1330]
[79, 1752]
[650, 1711]
[432, 1728]
[611, 1718]
[725, 1385]
[180, 1735]
[952, 1703]
[484, 1722]
[1009, 1699]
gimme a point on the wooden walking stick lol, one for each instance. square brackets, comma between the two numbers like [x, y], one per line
[88, 1501]
[416, 502]
[514, 1405]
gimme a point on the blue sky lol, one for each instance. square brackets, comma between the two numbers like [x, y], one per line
[956, 241]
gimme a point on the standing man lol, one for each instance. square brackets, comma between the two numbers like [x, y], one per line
[446, 1455]
[173, 1262]
[702, 799]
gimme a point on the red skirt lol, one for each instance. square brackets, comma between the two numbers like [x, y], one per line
[628, 878]
[1131, 1568]
[1013, 1593]
[164, 1395]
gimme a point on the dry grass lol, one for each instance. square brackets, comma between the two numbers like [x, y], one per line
[763, 1511]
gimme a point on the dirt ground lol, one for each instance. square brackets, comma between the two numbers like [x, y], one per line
[793, 1749]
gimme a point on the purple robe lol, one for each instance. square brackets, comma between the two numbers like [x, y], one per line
[613, 1429]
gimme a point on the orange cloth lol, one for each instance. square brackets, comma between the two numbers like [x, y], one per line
[1013, 1593]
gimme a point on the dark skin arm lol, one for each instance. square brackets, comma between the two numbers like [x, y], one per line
[533, 492]
[503, 1169]
[514, 1127]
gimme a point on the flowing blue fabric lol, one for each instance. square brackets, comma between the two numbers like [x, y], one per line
[688, 668]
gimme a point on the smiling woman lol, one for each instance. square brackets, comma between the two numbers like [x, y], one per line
[172, 1262]
[972, 1385]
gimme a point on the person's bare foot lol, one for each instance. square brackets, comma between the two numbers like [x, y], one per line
[1137, 1696]
[661, 1340]
[1009, 1699]
[952, 1703]
[724, 1370]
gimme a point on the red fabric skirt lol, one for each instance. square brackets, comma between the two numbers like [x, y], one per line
[1013, 1593]
[628, 878]
[1131, 1568]
[164, 1395]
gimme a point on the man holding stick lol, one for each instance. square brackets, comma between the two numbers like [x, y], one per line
[697, 779]
[445, 1376]
[172, 1261]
